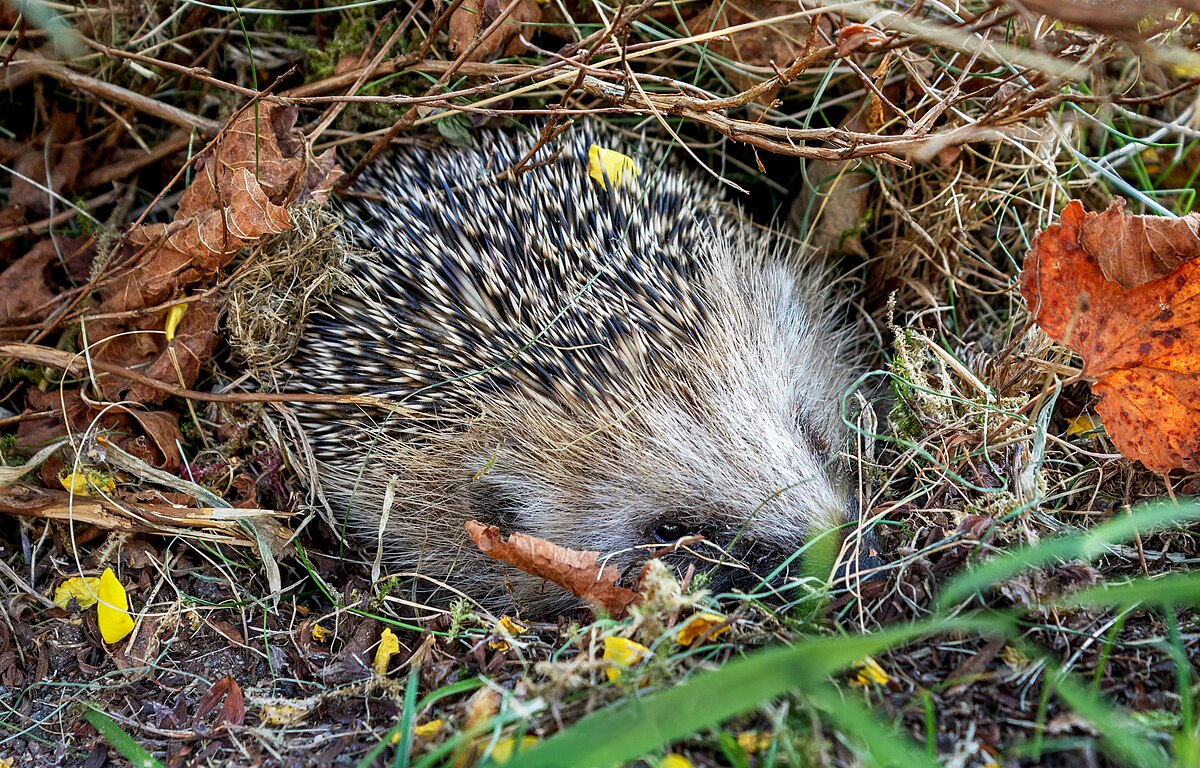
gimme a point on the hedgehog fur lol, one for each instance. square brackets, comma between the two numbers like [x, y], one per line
[610, 370]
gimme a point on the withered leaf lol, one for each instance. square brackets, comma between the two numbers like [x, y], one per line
[1140, 346]
[574, 570]
[233, 711]
[474, 16]
[59, 149]
[28, 289]
[1133, 250]
[194, 343]
[244, 183]
[773, 43]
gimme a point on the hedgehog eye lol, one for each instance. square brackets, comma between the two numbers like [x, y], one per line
[495, 504]
[669, 532]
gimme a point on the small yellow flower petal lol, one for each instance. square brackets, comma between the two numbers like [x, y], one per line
[619, 653]
[506, 748]
[112, 610]
[389, 645]
[752, 742]
[82, 588]
[698, 625]
[611, 169]
[1187, 69]
[1083, 424]
[506, 626]
[674, 761]
[174, 315]
[869, 672]
[1014, 658]
[320, 634]
[81, 483]
[284, 713]
[429, 729]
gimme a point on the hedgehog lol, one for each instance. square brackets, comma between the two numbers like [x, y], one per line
[630, 368]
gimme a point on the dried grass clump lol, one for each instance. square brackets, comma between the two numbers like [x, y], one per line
[268, 303]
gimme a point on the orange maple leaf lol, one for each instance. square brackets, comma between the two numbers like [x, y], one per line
[1140, 346]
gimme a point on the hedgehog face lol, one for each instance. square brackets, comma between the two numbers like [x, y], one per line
[727, 470]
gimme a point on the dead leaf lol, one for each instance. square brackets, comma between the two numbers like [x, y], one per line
[243, 186]
[60, 150]
[27, 288]
[1133, 250]
[854, 37]
[233, 711]
[772, 43]
[468, 21]
[1139, 346]
[574, 570]
[180, 362]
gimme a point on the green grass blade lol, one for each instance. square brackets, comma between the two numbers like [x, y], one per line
[885, 746]
[630, 729]
[1084, 545]
[1176, 589]
[1118, 734]
[120, 740]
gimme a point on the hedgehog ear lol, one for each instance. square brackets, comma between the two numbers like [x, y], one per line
[494, 502]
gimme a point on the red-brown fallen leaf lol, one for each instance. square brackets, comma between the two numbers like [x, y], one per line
[574, 570]
[152, 436]
[773, 43]
[243, 186]
[1133, 250]
[1140, 346]
[27, 287]
[233, 711]
[60, 150]
[467, 21]
[853, 37]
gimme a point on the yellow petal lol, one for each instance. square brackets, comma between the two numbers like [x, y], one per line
[753, 741]
[1187, 70]
[82, 588]
[426, 730]
[506, 626]
[698, 625]
[619, 653]
[112, 610]
[611, 169]
[320, 634]
[81, 483]
[506, 748]
[283, 713]
[1083, 424]
[674, 761]
[389, 645]
[869, 672]
[174, 315]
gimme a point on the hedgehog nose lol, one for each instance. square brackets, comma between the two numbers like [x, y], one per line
[860, 560]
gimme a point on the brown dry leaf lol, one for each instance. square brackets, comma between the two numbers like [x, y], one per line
[58, 149]
[771, 43]
[233, 711]
[25, 291]
[854, 37]
[574, 570]
[28, 287]
[1133, 250]
[244, 183]
[1140, 346]
[195, 340]
[467, 21]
